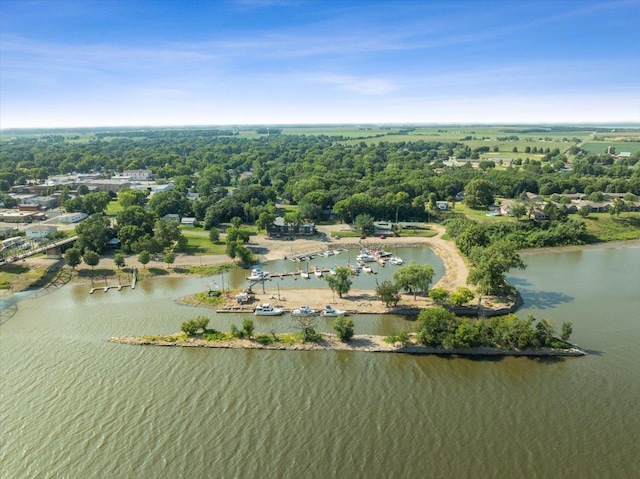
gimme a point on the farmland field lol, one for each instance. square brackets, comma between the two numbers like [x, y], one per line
[601, 146]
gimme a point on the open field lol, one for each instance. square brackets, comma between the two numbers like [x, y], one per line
[604, 227]
[600, 147]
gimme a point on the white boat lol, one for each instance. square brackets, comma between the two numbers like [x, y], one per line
[304, 311]
[318, 273]
[365, 256]
[330, 312]
[396, 260]
[266, 309]
[332, 271]
[367, 269]
[257, 274]
[304, 274]
[383, 254]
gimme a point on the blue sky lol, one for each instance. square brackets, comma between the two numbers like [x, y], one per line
[122, 62]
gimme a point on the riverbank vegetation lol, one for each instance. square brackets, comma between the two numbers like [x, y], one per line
[439, 327]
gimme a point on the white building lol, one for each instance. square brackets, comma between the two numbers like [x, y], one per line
[138, 175]
[72, 217]
[40, 231]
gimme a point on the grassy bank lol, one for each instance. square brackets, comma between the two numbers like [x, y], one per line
[602, 227]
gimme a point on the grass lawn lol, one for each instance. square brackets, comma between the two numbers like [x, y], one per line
[604, 227]
[199, 243]
[481, 215]
[113, 208]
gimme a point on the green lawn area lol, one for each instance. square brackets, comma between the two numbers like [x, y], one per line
[113, 208]
[480, 215]
[199, 242]
[604, 227]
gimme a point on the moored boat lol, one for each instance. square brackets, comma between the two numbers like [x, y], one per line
[365, 256]
[396, 260]
[330, 312]
[265, 309]
[303, 311]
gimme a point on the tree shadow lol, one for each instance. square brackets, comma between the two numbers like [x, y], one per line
[158, 271]
[521, 282]
[96, 273]
[544, 299]
[15, 269]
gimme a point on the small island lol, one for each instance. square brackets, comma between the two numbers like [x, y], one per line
[438, 332]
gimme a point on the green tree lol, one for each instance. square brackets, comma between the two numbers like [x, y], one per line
[489, 265]
[584, 211]
[437, 327]
[118, 260]
[460, 296]
[364, 224]
[128, 198]
[478, 193]
[265, 219]
[414, 278]
[389, 293]
[72, 257]
[236, 222]
[93, 233]
[169, 258]
[340, 282]
[519, 210]
[214, 235]
[245, 255]
[566, 330]
[91, 258]
[439, 295]
[343, 327]
[143, 258]
[617, 207]
[247, 328]
[194, 326]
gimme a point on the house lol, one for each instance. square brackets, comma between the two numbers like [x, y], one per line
[442, 205]
[172, 217]
[533, 197]
[138, 175]
[538, 214]
[279, 229]
[40, 231]
[72, 217]
[188, 221]
[8, 231]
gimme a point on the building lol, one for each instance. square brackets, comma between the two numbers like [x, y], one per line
[72, 217]
[40, 231]
[138, 175]
[281, 230]
[188, 221]
[13, 216]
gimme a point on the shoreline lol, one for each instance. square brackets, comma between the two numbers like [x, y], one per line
[358, 301]
[359, 343]
[634, 243]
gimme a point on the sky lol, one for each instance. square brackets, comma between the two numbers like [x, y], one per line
[68, 63]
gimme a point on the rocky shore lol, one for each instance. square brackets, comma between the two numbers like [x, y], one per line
[359, 343]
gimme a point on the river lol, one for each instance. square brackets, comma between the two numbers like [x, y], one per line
[73, 405]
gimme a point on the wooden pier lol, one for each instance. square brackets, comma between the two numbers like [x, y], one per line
[118, 286]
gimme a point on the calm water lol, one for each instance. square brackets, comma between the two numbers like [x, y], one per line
[73, 405]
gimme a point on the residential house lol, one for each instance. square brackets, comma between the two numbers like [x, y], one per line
[40, 231]
[281, 230]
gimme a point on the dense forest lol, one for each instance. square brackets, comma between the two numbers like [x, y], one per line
[389, 180]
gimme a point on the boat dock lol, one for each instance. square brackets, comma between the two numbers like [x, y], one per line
[118, 286]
